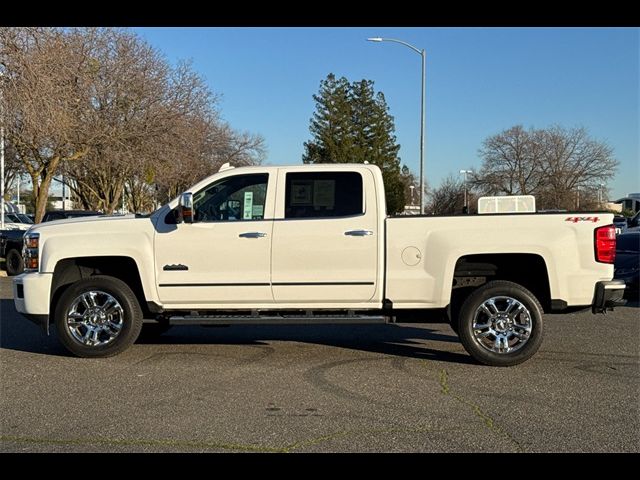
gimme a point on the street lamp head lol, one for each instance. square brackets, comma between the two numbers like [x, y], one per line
[374, 39]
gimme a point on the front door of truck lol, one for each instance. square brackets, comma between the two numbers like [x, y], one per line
[223, 257]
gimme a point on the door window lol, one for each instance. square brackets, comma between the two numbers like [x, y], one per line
[237, 198]
[323, 194]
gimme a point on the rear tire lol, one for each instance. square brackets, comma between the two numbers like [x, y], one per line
[98, 316]
[500, 324]
[14, 262]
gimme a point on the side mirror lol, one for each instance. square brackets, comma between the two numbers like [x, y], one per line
[186, 207]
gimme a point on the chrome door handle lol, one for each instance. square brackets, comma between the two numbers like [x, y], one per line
[252, 235]
[359, 233]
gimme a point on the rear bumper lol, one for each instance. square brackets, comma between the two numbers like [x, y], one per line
[608, 295]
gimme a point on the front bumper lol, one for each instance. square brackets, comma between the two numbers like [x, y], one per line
[608, 294]
[31, 296]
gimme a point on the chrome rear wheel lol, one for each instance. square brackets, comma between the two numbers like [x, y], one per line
[502, 324]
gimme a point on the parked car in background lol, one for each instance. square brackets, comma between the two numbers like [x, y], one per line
[633, 224]
[627, 266]
[11, 250]
[11, 239]
[18, 218]
[64, 214]
[620, 223]
[15, 224]
[16, 221]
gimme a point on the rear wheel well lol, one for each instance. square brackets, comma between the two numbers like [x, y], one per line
[528, 270]
[70, 270]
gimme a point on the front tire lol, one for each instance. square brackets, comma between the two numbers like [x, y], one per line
[98, 316]
[500, 324]
[14, 262]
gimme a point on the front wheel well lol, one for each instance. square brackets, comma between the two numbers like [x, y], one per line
[70, 270]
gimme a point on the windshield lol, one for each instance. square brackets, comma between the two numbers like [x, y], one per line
[12, 217]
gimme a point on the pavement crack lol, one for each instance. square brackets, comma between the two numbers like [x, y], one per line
[487, 420]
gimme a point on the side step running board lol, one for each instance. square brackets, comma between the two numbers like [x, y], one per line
[278, 320]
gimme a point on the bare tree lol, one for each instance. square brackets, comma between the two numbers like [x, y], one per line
[162, 128]
[448, 198]
[44, 103]
[198, 150]
[137, 102]
[555, 164]
[13, 168]
[570, 162]
[106, 108]
[510, 163]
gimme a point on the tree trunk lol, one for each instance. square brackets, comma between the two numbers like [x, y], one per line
[41, 195]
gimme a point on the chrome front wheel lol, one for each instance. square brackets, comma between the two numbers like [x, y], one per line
[95, 318]
[99, 316]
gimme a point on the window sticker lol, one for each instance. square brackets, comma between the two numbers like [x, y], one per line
[301, 192]
[324, 193]
[248, 206]
[258, 211]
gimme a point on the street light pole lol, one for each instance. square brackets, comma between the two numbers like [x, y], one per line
[466, 204]
[423, 56]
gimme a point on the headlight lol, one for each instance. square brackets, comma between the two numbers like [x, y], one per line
[30, 252]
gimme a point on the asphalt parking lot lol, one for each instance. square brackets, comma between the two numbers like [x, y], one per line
[394, 388]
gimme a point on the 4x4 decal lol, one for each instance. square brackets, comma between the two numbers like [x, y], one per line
[582, 219]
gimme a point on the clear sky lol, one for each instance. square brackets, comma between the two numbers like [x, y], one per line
[480, 81]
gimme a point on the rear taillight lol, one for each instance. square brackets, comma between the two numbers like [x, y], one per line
[605, 244]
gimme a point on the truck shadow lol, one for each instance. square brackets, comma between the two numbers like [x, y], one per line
[403, 340]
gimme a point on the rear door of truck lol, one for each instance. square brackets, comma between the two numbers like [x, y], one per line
[325, 237]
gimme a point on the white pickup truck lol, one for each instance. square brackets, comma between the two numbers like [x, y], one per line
[308, 245]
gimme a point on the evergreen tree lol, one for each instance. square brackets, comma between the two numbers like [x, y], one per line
[352, 124]
[331, 123]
